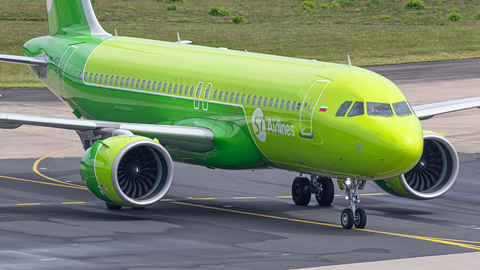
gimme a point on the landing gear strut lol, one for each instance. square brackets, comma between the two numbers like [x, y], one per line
[352, 215]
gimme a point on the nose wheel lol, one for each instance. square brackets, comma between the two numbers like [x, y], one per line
[348, 218]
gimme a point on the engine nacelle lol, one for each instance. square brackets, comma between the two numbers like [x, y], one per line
[433, 175]
[132, 171]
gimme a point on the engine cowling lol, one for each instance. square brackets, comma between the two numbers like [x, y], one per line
[433, 175]
[132, 171]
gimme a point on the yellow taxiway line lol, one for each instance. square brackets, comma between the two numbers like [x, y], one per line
[457, 243]
[35, 165]
[452, 242]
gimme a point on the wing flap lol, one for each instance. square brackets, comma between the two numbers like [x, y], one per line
[191, 138]
[427, 111]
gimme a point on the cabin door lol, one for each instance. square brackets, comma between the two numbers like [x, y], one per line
[62, 65]
[198, 96]
[308, 107]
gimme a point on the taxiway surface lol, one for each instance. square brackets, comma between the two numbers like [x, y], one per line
[218, 219]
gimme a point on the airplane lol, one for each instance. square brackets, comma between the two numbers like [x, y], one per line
[142, 104]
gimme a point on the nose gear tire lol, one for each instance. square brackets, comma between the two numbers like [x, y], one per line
[347, 218]
[360, 218]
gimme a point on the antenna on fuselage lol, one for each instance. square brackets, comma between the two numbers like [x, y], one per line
[182, 41]
[116, 35]
[349, 63]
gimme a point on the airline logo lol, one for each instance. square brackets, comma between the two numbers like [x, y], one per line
[258, 124]
[275, 126]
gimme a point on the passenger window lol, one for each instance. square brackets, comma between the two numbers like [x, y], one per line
[343, 108]
[243, 98]
[181, 89]
[148, 85]
[175, 89]
[401, 108]
[111, 80]
[106, 79]
[121, 82]
[132, 83]
[199, 88]
[220, 96]
[254, 100]
[143, 84]
[276, 103]
[138, 83]
[248, 99]
[231, 96]
[237, 98]
[127, 82]
[153, 85]
[165, 87]
[226, 96]
[91, 75]
[207, 91]
[76, 73]
[357, 109]
[116, 80]
[259, 101]
[379, 109]
[293, 105]
[191, 90]
[101, 78]
[288, 105]
[85, 76]
[96, 77]
[81, 75]
[170, 88]
[215, 94]
[265, 102]
[271, 103]
[283, 103]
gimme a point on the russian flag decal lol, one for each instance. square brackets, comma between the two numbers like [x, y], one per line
[323, 109]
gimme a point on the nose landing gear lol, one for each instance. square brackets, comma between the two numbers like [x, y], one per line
[352, 215]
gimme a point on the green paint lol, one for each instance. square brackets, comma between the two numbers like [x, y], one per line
[279, 112]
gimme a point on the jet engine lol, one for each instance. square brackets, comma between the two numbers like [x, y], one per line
[433, 175]
[131, 171]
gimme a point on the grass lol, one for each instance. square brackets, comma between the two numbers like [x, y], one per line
[326, 34]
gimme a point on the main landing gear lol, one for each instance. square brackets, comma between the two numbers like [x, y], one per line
[322, 187]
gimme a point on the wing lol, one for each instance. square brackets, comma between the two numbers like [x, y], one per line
[191, 138]
[427, 111]
[41, 60]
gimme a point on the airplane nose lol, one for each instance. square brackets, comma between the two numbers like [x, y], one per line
[400, 148]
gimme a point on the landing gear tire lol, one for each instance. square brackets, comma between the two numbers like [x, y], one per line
[112, 206]
[301, 193]
[325, 197]
[360, 218]
[347, 218]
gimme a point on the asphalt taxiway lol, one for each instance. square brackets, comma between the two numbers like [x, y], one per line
[218, 219]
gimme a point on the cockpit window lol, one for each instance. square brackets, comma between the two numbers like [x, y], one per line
[343, 108]
[379, 109]
[401, 108]
[357, 109]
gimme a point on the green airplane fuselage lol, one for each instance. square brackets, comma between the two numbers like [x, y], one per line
[264, 110]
